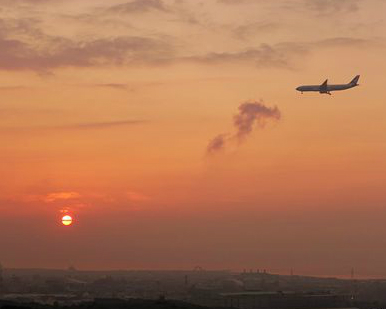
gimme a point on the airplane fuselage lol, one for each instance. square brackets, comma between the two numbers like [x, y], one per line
[328, 88]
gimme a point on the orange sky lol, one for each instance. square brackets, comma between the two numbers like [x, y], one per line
[107, 111]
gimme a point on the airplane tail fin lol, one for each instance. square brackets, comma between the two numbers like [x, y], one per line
[355, 80]
[323, 87]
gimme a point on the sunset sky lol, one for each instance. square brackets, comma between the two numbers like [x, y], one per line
[126, 115]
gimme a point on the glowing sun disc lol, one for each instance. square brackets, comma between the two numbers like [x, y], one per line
[67, 220]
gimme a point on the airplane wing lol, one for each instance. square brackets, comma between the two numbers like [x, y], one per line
[323, 87]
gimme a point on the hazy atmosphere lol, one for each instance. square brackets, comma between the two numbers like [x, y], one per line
[172, 133]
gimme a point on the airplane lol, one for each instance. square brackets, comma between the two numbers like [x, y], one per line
[325, 88]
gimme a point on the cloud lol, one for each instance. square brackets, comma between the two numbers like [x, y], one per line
[279, 55]
[17, 55]
[137, 6]
[253, 29]
[332, 6]
[23, 46]
[52, 197]
[12, 87]
[283, 55]
[76, 126]
[31, 2]
[99, 125]
[320, 7]
[113, 86]
[231, 2]
[250, 114]
[345, 42]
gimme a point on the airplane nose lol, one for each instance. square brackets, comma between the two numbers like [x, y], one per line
[297, 88]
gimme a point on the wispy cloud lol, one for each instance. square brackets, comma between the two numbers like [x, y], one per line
[250, 115]
[332, 6]
[256, 28]
[232, 2]
[279, 55]
[52, 197]
[25, 2]
[76, 126]
[12, 87]
[99, 125]
[345, 42]
[113, 86]
[138, 6]
[24, 46]
[18, 55]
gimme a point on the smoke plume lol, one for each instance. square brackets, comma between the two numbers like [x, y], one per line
[217, 143]
[250, 115]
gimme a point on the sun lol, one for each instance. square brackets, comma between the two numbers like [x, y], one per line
[67, 220]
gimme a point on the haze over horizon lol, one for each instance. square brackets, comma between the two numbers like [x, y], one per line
[171, 131]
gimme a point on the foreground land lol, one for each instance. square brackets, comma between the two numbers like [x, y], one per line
[37, 288]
